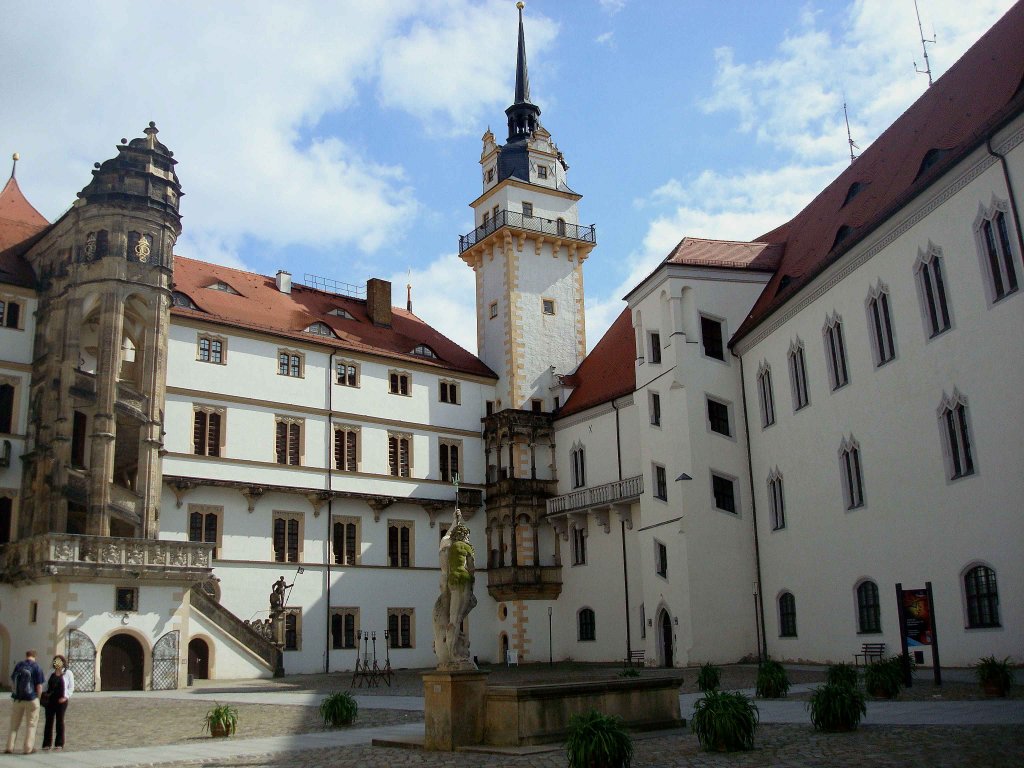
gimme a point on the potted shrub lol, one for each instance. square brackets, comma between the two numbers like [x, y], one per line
[724, 721]
[598, 741]
[842, 674]
[836, 707]
[884, 678]
[772, 682]
[222, 720]
[710, 677]
[338, 709]
[995, 676]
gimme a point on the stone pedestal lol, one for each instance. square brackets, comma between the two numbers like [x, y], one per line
[454, 708]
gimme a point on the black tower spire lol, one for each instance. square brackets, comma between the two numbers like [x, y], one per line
[523, 116]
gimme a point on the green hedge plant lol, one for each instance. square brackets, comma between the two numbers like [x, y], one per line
[339, 709]
[836, 707]
[772, 681]
[994, 675]
[884, 678]
[598, 741]
[709, 678]
[842, 674]
[724, 721]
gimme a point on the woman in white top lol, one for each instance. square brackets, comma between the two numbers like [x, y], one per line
[58, 690]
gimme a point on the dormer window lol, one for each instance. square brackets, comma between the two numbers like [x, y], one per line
[422, 350]
[528, 210]
[542, 172]
[179, 299]
[339, 312]
[855, 189]
[490, 175]
[320, 329]
[220, 285]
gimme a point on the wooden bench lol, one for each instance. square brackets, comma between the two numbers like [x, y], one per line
[869, 651]
[636, 659]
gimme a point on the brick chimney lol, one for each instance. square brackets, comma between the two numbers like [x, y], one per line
[378, 301]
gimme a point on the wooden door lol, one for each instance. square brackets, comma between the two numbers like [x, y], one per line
[198, 659]
[121, 664]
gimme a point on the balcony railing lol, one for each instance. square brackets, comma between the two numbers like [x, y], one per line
[63, 554]
[554, 227]
[525, 582]
[619, 491]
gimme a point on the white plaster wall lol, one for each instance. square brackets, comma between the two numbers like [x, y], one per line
[228, 660]
[916, 525]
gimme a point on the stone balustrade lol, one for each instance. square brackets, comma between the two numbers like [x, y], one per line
[617, 492]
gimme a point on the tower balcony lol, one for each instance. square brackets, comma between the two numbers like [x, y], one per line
[618, 492]
[525, 582]
[555, 229]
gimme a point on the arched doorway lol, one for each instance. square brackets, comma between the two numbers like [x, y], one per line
[121, 663]
[503, 647]
[198, 659]
[666, 656]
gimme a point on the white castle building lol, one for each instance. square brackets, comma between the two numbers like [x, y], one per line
[769, 438]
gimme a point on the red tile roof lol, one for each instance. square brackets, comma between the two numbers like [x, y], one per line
[260, 306]
[728, 254]
[19, 223]
[975, 97]
[608, 371]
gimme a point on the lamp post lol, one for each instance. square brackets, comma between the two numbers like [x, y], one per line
[551, 660]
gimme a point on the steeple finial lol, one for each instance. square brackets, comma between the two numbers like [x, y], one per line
[522, 75]
[523, 115]
[14, 163]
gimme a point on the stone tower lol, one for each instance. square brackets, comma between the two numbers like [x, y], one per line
[98, 379]
[527, 253]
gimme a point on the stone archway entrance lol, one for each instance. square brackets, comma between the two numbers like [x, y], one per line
[198, 659]
[666, 655]
[121, 663]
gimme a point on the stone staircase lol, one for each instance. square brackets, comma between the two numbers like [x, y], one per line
[238, 630]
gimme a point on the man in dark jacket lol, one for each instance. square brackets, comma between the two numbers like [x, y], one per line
[26, 685]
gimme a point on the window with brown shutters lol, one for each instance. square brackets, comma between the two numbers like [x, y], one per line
[400, 543]
[345, 449]
[398, 455]
[206, 431]
[449, 460]
[401, 628]
[344, 626]
[204, 524]
[345, 540]
[398, 383]
[287, 538]
[288, 441]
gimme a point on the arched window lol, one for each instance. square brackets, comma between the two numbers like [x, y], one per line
[787, 615]
[982, 597]
[869, 619]
[179, 299]
[424, 351]
[587, 624]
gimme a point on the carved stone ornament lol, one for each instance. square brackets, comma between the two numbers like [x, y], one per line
[143, 248]
[89, 251]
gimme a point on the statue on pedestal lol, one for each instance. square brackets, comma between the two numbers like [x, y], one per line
[276, 620]
[451, 641]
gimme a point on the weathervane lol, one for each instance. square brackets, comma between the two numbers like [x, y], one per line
[924, 47]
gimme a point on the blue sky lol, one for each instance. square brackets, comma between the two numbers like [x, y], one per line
[342, 139]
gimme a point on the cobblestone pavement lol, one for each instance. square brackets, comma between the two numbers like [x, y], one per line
[786, 746]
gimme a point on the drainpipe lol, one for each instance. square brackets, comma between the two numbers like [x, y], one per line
[622, 528]
[759, 627]
[1009, 191]
[330, 504]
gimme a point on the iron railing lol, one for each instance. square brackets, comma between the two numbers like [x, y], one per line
[629, 489]
[553, 227]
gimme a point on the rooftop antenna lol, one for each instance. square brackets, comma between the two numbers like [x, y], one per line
[849, 137]
[14, 164]
[924, 47]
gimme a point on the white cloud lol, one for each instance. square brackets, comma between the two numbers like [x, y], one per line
[606, 38]
[444, 295]
[612, 7]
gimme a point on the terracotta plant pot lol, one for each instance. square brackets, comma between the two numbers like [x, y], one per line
[994, 689]
[220, 730]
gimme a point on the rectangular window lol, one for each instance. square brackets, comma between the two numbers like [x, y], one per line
[398, 455]
[399, 383]
[401, 628]
[344, 628]
[493, 310]
[933, 293]
[211, 349]
[487, 220]
[776, 503]
[654, 404]
[542, 172]
[490, 174]
[547, 306]
[798, 376]
[494, 214]
[654, 341]
[537, 405]
[718, 417]
[293, 629]
[766, 395]
[288, 441]
[527, 210]
[579, 545]
[853, 479]
[881, 328]
[449, 459]
[999, 252]
[400, 539]
[960, 457]
[126, 599]
[6, 520]
[10, 314]
[724, 491]
[661, 559]
[7, 399]
[489, 408]
[345, 541]
[347, 373]
[712, 337]
[448, 392]
[79, 426]
[346, 449]
[578, 460]
[206, 432]
[204, 524]
[287, 532]
[289, 363]
[835, 352]
[660, 483]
